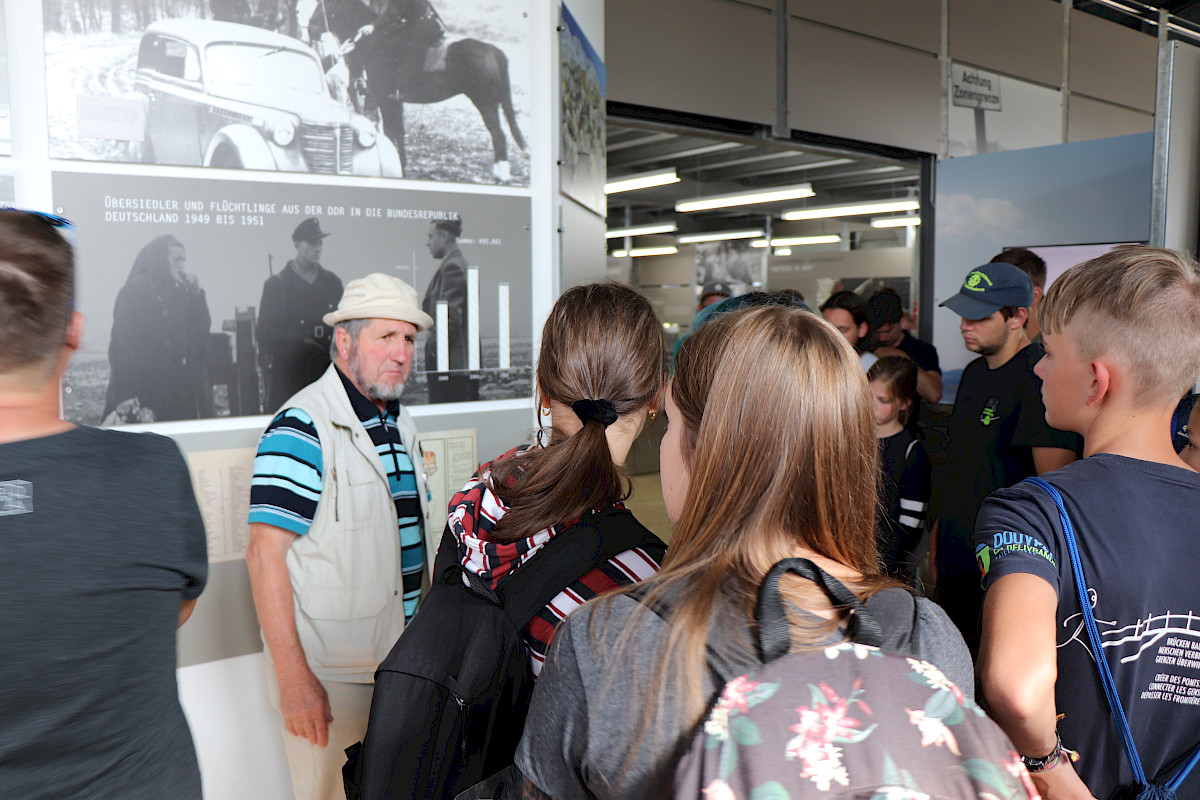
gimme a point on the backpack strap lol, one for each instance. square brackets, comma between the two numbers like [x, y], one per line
[774, 630]
[1106, 678]
[898, 615]
[569, 555]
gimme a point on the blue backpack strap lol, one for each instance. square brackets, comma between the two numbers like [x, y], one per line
[1106, 678]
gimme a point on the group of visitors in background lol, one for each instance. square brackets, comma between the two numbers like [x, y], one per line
[774, 649]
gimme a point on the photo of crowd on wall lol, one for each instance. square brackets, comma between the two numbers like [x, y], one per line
[206, 298]
[421, 89]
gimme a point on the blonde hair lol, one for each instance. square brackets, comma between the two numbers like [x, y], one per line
[779, 439]
[1140, 305]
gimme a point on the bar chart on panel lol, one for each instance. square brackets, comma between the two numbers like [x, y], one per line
[472, 330]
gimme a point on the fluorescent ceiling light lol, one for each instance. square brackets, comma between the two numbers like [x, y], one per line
[639, 252]
[851, 209]
[641, 230]
[895, 222]
[619, 254]
[643, 181]
[746, 198]
[795, 241]
[722, 236]
[783, 251]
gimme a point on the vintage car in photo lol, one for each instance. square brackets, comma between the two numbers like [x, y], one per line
[222, 94]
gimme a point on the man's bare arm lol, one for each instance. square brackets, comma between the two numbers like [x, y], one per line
[302, 699]
[1018, 667]
[929, 385]
[1048, 459]
[185, 610]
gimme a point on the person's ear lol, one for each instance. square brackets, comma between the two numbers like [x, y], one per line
[862, 331]
[1102, 380]
[74, 331]
[905, 403]
[660, 398]
[1018, 319]
[341, 338]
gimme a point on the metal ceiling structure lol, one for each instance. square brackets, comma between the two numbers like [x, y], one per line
[723, 163]
[1183, 16]
[717, 160]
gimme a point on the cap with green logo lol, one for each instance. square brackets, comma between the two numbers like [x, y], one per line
[990, 288]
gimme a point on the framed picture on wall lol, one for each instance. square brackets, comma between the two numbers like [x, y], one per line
[1060, 257]
[423, 90]
[198, 305]
[583, 133]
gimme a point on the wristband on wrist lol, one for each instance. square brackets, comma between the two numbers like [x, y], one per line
[1047, 762]
[1035, 764]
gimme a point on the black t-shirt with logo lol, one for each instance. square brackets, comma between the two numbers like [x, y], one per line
[998, 419]
[1136, 528]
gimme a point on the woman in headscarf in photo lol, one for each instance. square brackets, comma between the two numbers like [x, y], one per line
[156, 353]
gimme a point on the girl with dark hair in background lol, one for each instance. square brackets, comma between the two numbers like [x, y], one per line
[157, 350]
[600, 380]
[770, 453]
[904, 466]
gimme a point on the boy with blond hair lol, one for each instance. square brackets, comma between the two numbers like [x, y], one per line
[1122, 338]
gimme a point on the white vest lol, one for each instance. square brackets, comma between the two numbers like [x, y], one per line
[345, 572]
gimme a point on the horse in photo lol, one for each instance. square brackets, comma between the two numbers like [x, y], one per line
[405, 57]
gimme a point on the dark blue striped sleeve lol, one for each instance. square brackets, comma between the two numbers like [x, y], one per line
[287, 473]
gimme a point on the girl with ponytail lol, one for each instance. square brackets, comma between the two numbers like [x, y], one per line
[769, 454]
[599, 381]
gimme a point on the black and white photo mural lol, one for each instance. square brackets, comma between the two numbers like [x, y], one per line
[204, 298]
[422, 89]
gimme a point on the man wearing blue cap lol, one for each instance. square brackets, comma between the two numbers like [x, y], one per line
[998, 429]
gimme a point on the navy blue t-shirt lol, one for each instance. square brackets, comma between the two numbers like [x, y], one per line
[1137, 530]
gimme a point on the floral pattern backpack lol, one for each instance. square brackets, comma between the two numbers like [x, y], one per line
[845, 721]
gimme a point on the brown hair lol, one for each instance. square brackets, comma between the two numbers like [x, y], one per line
[1025, 260]
[899, 375]
[601, 342]
[1140, 305]
[781, 453]
[37, 285]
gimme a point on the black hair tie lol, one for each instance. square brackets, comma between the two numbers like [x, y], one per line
[602, 411]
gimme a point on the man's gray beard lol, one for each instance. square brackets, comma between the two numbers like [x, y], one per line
[378, 391]
[374, 391]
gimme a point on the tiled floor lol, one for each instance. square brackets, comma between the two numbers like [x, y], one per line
[647, 505]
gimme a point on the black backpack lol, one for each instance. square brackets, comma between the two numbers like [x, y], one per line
[451, 697]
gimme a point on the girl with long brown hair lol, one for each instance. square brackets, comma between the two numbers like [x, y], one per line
[770, 453]
[599, 381]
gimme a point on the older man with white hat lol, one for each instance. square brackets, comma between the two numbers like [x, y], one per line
[341, 542]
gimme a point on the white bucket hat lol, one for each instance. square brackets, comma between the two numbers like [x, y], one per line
[380, 296]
